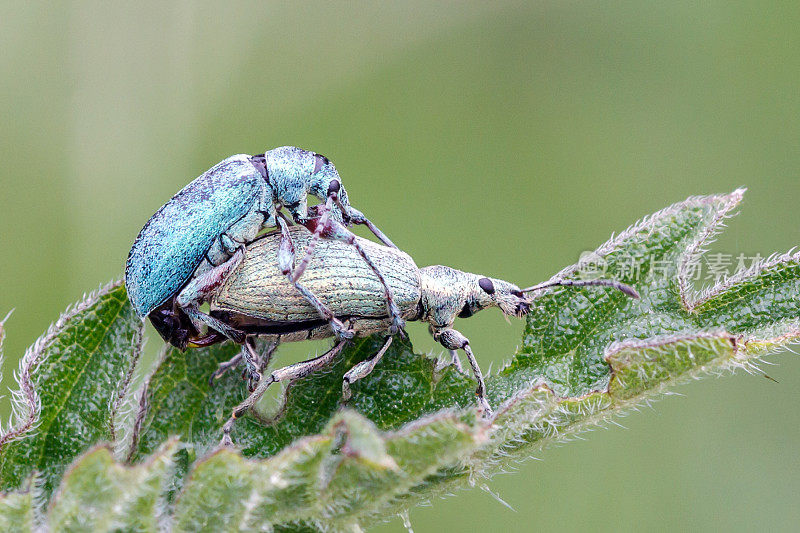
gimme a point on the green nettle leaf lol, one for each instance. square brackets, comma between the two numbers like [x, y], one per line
[72, 383]
[346, 470]
[178, 399]
[97, 494]
[571, 339]
[16, 512]
[411, 430]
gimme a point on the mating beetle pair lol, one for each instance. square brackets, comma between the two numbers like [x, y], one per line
[194, 240]
[202, 246]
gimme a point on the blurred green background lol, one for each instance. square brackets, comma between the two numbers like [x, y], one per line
[501, 138]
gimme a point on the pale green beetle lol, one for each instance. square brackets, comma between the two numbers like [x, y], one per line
[258, 299]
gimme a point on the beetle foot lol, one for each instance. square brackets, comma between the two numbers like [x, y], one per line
[346, 392]
[484, 407]
[236, 336]
[398, 326]
[253, 376]
[226, 432]
[223, 368]
[341, 331]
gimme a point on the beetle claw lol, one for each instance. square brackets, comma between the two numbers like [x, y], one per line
[484, 407]
[226, 433]
[236, 335]
[223, 368]
[341, 332]
[218, 373]
[252, 376]
[398, 327]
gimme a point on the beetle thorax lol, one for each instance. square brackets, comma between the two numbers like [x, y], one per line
[288, 170]
[447, 294]
[294, 173]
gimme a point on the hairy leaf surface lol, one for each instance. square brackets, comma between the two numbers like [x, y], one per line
[412, 429]
[72, 381]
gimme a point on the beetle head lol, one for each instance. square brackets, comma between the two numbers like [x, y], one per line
[491, 292]
[325, 180]
[513, 301]
[448, 294]
[173, 325]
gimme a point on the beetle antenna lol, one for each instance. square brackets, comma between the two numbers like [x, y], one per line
[627, 289]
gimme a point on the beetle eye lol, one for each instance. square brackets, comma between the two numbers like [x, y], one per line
[487, 285]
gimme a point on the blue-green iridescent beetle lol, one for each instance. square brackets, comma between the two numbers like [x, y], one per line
[197, 238]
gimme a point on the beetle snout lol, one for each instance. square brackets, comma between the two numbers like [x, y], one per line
[523, 308]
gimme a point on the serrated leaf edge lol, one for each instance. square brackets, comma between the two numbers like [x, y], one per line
[343, 422]
[698, 247]
[774, 260]
[165, 452]
[25, 401]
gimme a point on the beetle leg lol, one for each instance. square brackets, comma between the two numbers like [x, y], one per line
[285, 261]
[287, 373]
[224, 367]
[204, 285]
[339, 329]
[263, 362]
[456, 361]
[336, 231]
[357, 217]
[398, 323]
[324, 212]
[285, 250]
[250, 357]
[197, 315]
[228, 244]
[362, 370]
[481, 390]
[454, 340]
[266, 357]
